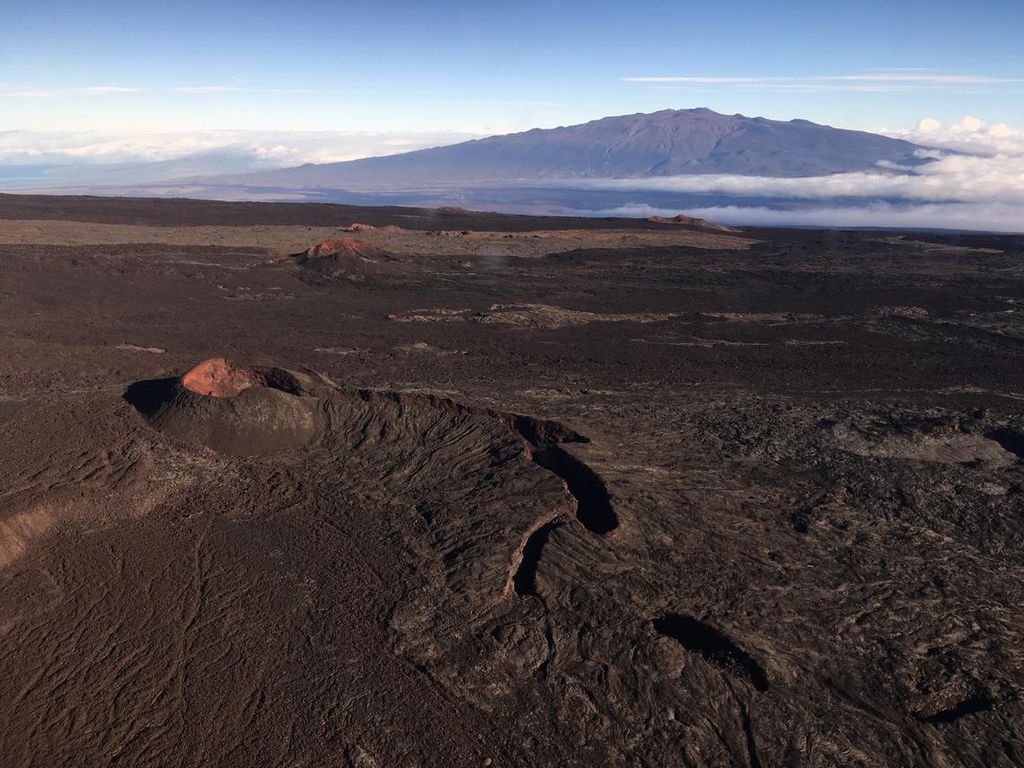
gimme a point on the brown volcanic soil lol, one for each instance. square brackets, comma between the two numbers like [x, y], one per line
[618, 505]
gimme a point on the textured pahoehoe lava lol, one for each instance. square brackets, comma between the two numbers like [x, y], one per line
[241, 409]
[815, 458]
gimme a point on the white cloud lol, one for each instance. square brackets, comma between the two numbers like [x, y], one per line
[968, 134]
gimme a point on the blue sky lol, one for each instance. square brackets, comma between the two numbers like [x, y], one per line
[461, 66]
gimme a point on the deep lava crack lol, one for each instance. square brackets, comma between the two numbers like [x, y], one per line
[706, 641]
[969, 706]
[593, 506]
[525, 579]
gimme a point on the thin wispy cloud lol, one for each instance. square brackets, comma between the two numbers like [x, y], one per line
[206, 88]
[875, 81]
[21, 90]
[13, 90]
[103, 90]
[215, 89]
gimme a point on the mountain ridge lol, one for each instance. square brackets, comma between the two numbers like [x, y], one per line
[664, 143]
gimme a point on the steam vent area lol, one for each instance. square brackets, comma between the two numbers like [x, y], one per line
[318, 485]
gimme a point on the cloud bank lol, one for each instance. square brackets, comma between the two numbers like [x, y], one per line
[265, 149]
[968, 134]
[952, 178]
[997, 217]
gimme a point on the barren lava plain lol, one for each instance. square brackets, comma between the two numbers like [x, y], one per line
[464, 489]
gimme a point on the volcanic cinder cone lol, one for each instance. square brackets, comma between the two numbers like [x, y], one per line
[236, 409]
[691, 221]
[347, 256]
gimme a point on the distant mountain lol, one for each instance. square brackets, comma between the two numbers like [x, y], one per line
[666, 143]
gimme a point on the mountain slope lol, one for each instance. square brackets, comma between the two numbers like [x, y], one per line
[670, 142]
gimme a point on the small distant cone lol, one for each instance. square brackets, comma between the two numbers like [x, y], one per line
[691, 221]
[348, 257]
[346, 246]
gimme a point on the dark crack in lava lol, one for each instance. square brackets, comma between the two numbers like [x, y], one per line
[706, 641]
[748, 732]
[969, 706]
[525, 579]
[593, 506]
[1009, 440]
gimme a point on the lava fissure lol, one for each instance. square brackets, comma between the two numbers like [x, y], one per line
[524, 580]
[1009, 440]
[748, 730]
[549, 638]
[710, 644]
[969, 706]
[593, 505]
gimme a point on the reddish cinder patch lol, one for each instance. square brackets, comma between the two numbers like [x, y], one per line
[345, 246]
[217, 377]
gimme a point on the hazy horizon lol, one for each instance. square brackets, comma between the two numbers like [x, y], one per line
[105, 94]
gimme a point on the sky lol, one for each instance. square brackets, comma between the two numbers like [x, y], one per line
[475, 67]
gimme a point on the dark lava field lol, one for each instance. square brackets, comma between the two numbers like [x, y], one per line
[460, 489]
